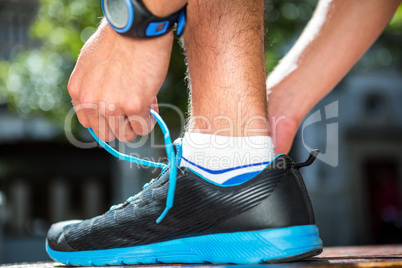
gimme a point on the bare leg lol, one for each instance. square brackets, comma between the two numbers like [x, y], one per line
[225, 48]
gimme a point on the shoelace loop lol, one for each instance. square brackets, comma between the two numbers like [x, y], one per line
[170, 155]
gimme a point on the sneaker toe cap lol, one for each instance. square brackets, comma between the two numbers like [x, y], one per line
[55, 236]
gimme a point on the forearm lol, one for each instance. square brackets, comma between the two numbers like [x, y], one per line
[339, 33]
[164, 8]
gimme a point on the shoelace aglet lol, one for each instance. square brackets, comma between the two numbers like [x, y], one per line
[162, 216]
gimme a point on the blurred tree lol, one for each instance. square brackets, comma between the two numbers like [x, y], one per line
[285, 20]
[34, 82]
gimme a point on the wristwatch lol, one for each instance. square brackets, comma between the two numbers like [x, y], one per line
[132, 18]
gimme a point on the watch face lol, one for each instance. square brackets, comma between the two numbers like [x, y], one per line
[117, 12]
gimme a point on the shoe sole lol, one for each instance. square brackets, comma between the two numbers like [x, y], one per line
[273, 245]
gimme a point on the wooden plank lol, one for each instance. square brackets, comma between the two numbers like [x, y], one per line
[362, 256]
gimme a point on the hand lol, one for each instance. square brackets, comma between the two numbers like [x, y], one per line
[285, 116]
[116, 80]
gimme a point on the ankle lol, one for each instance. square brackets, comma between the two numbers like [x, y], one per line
[238, 125]
[221, 158]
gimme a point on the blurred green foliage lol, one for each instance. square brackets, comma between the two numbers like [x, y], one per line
[35, 81]
[284, 21]
[387, 51]
[395, 25]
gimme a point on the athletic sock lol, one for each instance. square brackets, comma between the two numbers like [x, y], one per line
[226, 160]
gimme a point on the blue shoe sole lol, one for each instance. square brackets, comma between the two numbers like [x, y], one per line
[273, 245]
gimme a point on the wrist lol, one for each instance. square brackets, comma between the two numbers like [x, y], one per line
[164, 8]
[134, 19]
[296, 93]
[286, 101]
[127, 47]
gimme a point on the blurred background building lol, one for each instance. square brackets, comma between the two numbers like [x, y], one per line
[356, 187]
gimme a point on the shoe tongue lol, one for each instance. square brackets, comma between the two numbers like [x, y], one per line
[178, 143]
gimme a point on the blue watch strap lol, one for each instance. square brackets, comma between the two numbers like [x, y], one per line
[181, 21]
[141, 22]
[157, 28]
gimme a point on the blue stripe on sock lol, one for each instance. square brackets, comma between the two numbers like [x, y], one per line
[211, 171]
[239, 179]
[227, 183]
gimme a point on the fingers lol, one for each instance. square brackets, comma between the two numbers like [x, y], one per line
[82, 118]
[92, 115]
[73, 90]
[110, 121]
[282, 130]
[99, 121]
[155, 107]
[107, 121]
[138, 116]
[120, 125]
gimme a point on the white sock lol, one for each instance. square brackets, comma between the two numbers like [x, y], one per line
[226, 160]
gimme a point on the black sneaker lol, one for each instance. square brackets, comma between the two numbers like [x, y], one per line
[268, 218]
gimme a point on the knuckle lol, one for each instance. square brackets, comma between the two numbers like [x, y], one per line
[108, 113]
[86, 98]
[144, 131]
[132, 107]
[72, 88]
[85, 124]
[141, 127]
[112, 112]
[121, 138]
[89, 104]
[109, 138]
[105, 134]
[91, 112]
[130, 136]
[83, 120]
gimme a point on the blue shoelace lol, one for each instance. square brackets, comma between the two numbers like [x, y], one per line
[170, 154]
